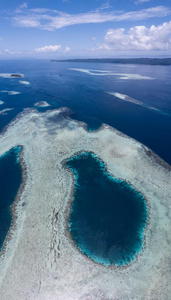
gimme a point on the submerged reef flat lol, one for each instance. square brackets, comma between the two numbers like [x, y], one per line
[40, 260]
[4, 111]
[125, 98]
[10, 92]
[137, 102]
[42, 104]
[122, 76]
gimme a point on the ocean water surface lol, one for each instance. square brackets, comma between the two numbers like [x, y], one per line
[88, 96]
[108, 216]
[134, 99]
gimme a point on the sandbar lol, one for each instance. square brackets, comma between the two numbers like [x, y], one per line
[125, 98]
[24, 82]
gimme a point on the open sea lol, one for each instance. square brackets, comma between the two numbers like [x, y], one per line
[134, 99]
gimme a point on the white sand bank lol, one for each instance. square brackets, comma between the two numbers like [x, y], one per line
[24, 82]
[125, 98]
[122, 76]
[11, 93]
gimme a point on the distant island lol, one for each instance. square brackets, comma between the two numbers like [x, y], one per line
[138, 61]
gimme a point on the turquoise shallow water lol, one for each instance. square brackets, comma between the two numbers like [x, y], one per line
[108, 216]
[11, 176]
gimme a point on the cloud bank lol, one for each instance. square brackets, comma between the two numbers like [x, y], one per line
[50, 48]
[138, 38]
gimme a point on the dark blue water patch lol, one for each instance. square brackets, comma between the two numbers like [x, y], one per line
[10, 180]
[108, 216]
[93, 124]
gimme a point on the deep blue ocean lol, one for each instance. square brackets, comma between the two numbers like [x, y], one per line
[85, 88]
[87, 96]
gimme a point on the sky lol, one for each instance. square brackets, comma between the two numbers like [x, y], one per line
[85, 28]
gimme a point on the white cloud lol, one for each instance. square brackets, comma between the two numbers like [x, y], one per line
[104, 6]
[67, 49]
[141, 1]
[138, 38]
[21, 8]
[51, 20]
[103, 47]
[7, 51]
[24, 5]
[48, 49]
[30, 22]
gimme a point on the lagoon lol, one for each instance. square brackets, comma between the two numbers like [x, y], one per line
[11, 176]
[108, 216]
